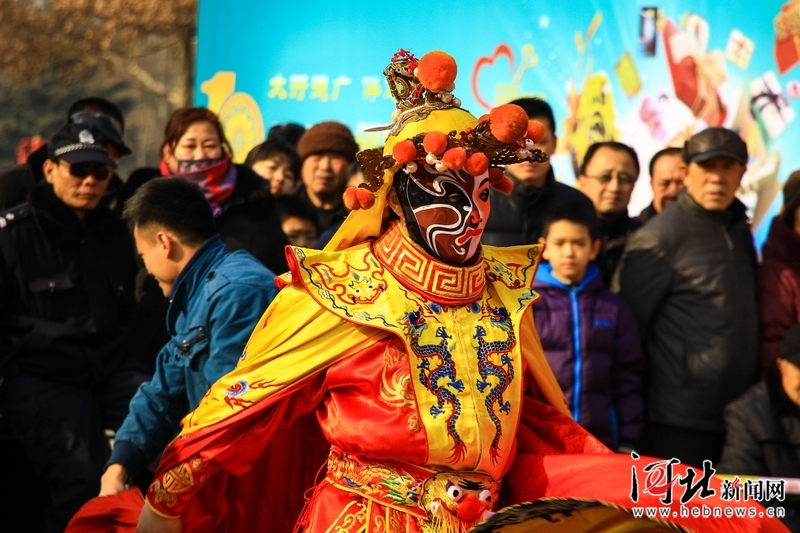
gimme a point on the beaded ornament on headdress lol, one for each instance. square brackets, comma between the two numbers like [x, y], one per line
[503, 136]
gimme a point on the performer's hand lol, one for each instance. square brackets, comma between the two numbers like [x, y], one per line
[113, 480]
[150, 522]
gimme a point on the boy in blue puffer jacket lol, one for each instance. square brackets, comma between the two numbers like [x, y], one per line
[588, 334]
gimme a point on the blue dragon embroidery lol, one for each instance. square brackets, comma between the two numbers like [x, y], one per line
[504, 372]
[432, 377]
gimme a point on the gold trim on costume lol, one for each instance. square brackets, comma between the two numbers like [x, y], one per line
[435, 280]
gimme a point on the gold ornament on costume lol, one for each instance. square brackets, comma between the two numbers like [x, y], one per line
[456, 501]
[428, 128]
[417, 93]
[374, 164]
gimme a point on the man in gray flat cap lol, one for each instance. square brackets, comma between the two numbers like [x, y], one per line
[689, 277]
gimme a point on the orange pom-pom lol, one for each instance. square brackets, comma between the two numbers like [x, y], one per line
[509, 123]
[455, 158]
[535, 131]
[495, 174]
[499, 181]
[483, 117]
[358, 198]
[476, 164]
[437, 70]
[435, 141]
[404, 152]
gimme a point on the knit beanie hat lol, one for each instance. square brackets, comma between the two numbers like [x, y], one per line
[791, 197]
[790, 347]
[328, 137]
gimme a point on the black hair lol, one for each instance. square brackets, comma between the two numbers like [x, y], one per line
[791, 197]
[575, 213]
[353, 169]
[175, 205]
[661, 153]
[613, 145]
[288, 133]
[275, 149]
[95, 104]
[537, 108]
[296, 207]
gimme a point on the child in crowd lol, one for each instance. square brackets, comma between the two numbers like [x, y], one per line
[276, 162]
[588, 334]
[298, 221]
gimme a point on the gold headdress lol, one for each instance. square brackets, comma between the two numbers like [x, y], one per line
[429, 127]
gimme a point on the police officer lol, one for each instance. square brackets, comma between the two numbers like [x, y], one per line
[67, 271]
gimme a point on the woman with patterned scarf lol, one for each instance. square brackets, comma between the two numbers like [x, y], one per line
[416, 348]
[195, 148]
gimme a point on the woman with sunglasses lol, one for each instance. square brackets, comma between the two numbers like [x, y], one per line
[195, 148]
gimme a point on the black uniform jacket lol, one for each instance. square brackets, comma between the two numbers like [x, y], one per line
[66, 287]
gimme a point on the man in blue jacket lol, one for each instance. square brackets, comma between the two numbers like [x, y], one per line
[216, 299]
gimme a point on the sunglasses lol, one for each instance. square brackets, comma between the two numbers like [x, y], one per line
[622, 178]
[100, 171]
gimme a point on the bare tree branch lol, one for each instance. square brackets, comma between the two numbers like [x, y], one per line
[74, 36]
[130, 67]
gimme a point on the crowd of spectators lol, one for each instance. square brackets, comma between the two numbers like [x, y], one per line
[665, 332]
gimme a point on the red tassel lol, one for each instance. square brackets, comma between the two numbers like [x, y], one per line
[404, 152]
[357, 198]
[435, 142]
[455, 158]
[499, 181]
[535, 131]
[437, 70]
[477, 164]
[509, 123]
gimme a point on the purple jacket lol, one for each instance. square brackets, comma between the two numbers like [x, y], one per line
[590, 340]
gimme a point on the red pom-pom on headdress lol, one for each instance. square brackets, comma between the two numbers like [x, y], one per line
[477, 164]
[535, 131]
[435, 142]
[455, 158]
[509, 123]
[437, 70]
[357, 198]
[404, 152]
[499, 181]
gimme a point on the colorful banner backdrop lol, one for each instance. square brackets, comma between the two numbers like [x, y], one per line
[647, 74]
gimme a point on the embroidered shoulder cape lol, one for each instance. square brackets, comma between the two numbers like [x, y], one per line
[412, 367]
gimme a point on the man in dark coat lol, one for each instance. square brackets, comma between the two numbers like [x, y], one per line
[67, 270]
[607, 176]
[518, 218]
[763, 427]
[665, 181]
[689, 277]
[325, 150]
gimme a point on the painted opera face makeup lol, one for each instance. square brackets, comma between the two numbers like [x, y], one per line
[445, 212]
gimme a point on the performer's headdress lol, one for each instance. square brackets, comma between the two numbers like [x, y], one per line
[429, 127]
